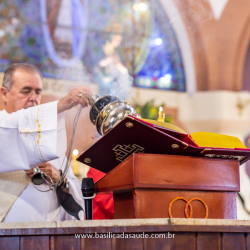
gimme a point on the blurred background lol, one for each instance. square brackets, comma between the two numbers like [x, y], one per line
[191, 57]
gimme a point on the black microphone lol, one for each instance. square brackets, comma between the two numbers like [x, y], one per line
[88, 189]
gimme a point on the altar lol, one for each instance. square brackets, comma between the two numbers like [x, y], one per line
[129, 234]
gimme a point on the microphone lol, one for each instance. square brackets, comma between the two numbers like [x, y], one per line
[88, 189]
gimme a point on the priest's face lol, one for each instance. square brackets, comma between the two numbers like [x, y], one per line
[24, 93]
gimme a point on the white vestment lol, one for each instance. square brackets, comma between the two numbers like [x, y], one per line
[28, 138]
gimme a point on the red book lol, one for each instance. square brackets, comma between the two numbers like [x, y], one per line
[133, 135]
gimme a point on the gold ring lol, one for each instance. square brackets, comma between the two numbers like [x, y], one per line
[80, 95]
[198, 199]
[188, 204]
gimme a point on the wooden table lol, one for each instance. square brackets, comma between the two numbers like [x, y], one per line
[188, 234]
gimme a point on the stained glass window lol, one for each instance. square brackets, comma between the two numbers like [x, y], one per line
[110, 42]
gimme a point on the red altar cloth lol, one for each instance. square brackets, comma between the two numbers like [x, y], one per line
[103, 203]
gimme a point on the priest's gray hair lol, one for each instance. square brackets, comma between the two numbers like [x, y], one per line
[8, 73]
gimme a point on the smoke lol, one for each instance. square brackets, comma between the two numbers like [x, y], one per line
[114, 81]
[121, 86]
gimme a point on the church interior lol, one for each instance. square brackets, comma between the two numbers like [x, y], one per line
[186, 60]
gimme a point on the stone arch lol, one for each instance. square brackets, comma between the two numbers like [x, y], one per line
[184, 43]
[194, 21]
[246, 66]
[235, 24]
[218, 46]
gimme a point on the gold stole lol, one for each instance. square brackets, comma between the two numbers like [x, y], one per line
[12, 185]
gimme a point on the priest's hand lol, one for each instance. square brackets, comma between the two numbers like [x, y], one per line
[48, 169]
[78, 95]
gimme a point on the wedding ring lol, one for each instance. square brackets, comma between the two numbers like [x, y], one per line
[80, 95]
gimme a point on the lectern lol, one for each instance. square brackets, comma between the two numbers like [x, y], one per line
[159, 172]
[147, 185]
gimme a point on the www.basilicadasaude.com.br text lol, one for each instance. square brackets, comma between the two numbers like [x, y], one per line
[124, 235]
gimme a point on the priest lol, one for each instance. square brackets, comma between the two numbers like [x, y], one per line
[34, 135]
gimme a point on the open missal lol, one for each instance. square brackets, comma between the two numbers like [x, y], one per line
[133, 135]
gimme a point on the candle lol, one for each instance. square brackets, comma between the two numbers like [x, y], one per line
[161, 115]
[74, 162]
